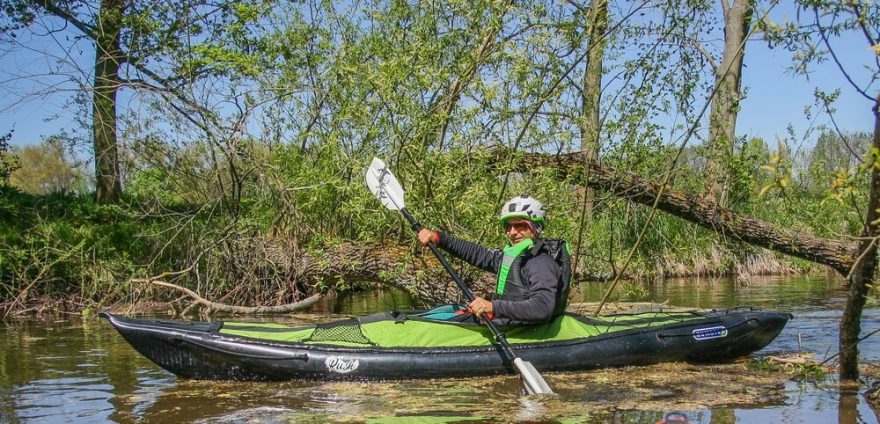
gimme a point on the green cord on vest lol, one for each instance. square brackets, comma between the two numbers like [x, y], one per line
[510, 255]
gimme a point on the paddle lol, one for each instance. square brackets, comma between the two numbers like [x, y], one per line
[385, 187]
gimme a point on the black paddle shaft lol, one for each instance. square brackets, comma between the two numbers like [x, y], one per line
[499, 336]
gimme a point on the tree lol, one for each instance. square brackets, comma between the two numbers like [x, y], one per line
[46, 169]
[812, 40]
[835, 153]
[149, 47]
[8, 161]
[103, 24]
[596, 25]
[107, 33]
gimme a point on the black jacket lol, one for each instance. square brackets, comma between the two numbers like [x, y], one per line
[530, 293]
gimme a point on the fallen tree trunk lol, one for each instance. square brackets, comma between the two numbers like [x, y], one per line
[834, 253]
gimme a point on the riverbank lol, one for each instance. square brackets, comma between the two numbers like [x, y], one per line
[66, 251]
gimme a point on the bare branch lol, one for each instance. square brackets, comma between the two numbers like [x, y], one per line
[222, 307]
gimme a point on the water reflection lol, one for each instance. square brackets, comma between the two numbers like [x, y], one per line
[363, 303]
[73, 370]
[64, 371]
[781, 293]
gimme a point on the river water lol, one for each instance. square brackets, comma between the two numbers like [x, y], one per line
[69, 369]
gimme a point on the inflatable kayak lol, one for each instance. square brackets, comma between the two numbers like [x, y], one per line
[422, 344]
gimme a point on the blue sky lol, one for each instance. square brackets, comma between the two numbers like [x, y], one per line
[775, 98]
[34, 101]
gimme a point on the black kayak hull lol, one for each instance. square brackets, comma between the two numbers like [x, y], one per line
[194, 350]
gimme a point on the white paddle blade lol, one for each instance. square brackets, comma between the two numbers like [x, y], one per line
[532, 380]
[384, 186]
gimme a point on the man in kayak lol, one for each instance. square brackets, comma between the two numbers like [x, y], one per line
[528, 277]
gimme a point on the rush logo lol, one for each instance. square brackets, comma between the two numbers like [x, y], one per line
[341, 365]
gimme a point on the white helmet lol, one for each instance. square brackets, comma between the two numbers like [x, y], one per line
[523, 206]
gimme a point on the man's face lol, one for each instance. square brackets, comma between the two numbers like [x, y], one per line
[517, 230]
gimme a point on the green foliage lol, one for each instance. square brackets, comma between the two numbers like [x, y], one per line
[839, 166]
[46, 168]
[778, 170]
[801, 370]
[744, 167]
[154, 183]
[59, 244]
[8, 161]
[764, 364]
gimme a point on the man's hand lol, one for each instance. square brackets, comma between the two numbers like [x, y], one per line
[428, 236]
[481, 306]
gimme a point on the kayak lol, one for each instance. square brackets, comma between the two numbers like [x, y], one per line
[425, 344]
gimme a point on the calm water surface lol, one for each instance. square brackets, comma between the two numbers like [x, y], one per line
[74, 370]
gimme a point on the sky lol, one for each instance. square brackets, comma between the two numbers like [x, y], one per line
[34, 100]
[775, 97]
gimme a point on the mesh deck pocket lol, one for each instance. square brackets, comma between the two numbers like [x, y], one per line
[340, 331]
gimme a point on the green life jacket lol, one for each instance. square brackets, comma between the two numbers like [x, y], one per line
[511, 285]
[511, 252]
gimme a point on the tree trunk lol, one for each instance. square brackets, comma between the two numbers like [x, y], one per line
[107, 59]
[725, 104]
[590, 122]
[863, 270]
